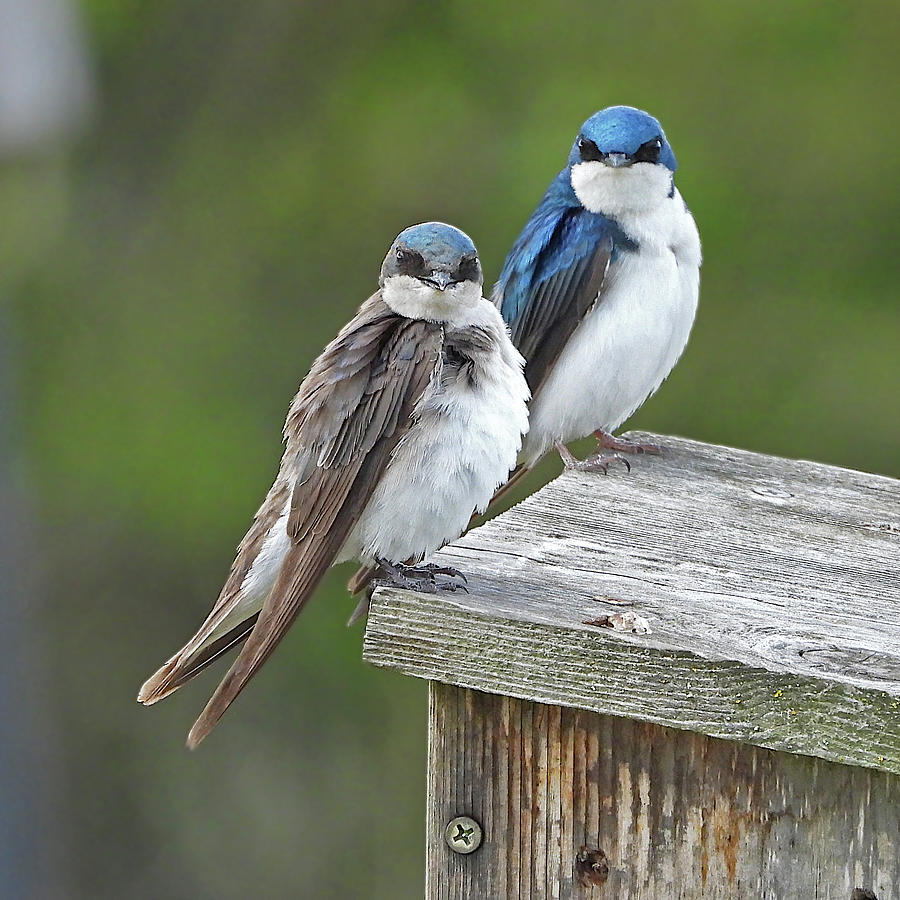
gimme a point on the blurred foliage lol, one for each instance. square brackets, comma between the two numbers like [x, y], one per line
[172, 279]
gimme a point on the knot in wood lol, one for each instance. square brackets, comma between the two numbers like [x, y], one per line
[592, 867]
[771, 493]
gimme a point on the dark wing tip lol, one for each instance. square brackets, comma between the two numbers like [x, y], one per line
[241, 671]
[157, 685]
[361, 579]
[212, 712]
[197, 733]
[181, 669]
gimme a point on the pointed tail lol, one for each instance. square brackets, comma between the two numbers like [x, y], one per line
[297, 579]
[190, 660]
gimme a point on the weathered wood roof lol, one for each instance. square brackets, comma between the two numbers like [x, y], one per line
[770, 587]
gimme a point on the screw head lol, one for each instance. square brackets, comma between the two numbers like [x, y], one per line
[463, 834]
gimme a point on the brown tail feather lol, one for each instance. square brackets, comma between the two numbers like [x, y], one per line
[361, 579]
[295, 584]
[177, 671]
[361, 610]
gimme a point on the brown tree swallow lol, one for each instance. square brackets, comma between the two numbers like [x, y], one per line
[405, 425]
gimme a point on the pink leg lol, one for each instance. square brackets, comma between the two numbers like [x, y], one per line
[608, 442]
[594, 463]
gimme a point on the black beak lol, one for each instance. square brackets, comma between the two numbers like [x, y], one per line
[438, 280]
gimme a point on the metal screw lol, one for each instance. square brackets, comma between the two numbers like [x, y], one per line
[463, 834]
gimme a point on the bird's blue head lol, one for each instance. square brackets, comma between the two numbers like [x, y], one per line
[437, 255]
[622, 136]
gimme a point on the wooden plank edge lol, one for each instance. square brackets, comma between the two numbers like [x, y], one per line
[425, 637]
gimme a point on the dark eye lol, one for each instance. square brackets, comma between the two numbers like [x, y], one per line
[409, 262]
[467, 269]
[588, 150]
[649, 152]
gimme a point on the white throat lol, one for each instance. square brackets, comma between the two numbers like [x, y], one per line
[455, 306]
[634, 189]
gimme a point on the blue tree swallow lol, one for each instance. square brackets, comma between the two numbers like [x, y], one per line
[406, 424]
[600, 288]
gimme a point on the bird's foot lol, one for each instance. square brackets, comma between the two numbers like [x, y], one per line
[596, 462]
[422, 578]
[449, 571]
[620, 445]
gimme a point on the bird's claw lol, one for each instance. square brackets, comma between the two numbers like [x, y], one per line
[598, 463]
[421, 578]
[620, 445]
[445, 570]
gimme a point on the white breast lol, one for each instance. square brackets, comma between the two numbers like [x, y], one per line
[449, 464]
[629, 342]
[461, 449]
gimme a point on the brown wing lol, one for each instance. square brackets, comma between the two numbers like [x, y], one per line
[351, 411]
[201, 649]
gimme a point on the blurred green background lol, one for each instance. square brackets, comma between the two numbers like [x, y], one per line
[167, 277]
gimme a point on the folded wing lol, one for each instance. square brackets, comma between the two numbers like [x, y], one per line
[552, 277]
[351, 411]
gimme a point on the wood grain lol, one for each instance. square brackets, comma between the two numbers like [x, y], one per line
[771, 588]
[674, 814]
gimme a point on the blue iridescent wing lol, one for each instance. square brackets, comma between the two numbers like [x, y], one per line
[554, 275]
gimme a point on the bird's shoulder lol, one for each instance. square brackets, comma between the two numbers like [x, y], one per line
[376, 365]
[559, 235]
[558, 203]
